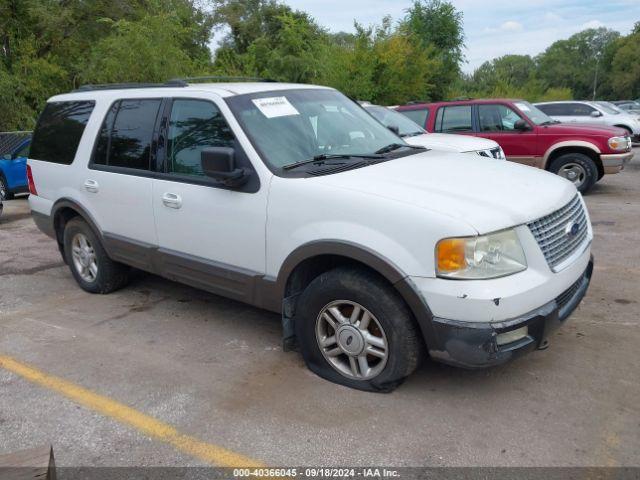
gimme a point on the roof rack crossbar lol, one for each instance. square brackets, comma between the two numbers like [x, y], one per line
[125, 86]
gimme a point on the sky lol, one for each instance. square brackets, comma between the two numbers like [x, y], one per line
[492, 27]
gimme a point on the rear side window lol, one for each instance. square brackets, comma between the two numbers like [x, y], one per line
[126, 134]
[555, 109]
[456, 118]
[59, 130]
[419, 116]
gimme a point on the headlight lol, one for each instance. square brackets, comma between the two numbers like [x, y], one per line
[619, 143]
[486, 256]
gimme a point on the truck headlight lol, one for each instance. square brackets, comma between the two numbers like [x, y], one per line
[619, 144]
[487, 256]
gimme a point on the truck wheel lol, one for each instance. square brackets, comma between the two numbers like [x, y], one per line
[578, 168]
[4, 190]
[355, 330]
[90, 265]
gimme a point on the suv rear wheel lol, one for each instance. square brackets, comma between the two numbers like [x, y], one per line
[90, 265]
[354, 329]
[578, 168]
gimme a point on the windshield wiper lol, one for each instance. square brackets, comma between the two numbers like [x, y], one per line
[412, 134]
[395, 146]
[549, 122]
[320, 159]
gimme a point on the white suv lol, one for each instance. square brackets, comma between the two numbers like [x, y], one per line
[294, 199]
[414, 134]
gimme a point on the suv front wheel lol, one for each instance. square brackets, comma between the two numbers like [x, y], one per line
[578, 168]
[354, 329]
[90, 265]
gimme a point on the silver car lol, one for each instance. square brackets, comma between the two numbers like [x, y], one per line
[598, 113]
[629, 106]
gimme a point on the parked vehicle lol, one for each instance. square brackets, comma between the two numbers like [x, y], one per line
[13, 168]
[292, 198]
[414, 134]
[581, 154]
[628, 106]
[593, 113]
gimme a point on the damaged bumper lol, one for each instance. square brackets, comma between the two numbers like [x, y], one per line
[477, 345]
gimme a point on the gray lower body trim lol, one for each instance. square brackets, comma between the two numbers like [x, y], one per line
[226, 280]
[44, 223]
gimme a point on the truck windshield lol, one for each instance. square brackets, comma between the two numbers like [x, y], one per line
[534, 114]
[289, 126]
[391, 118]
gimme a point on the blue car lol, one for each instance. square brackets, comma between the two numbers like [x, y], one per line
[13, 170]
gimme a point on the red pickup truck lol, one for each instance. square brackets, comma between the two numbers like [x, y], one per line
[582, 154]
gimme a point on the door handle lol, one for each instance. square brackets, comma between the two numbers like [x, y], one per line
[172, 200]
[91, 186]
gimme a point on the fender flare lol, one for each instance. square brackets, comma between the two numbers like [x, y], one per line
[86, 216]
[383, 266]
[568, 143]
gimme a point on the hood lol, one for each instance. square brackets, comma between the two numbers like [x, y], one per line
[571, 129]
[486, 194]
[451, 143]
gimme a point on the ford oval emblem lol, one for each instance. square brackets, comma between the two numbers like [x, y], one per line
[572, 229]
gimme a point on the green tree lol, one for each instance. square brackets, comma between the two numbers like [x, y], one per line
[438, 26]
[624, 76]
[577, 62]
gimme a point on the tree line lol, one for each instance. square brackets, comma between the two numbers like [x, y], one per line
[52, 46]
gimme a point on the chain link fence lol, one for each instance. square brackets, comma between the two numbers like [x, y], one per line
[9, 141]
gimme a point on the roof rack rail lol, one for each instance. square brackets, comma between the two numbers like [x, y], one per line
[417, 102]
[222, 78]
[125, 86]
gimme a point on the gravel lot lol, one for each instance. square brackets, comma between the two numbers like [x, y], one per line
[214, 369]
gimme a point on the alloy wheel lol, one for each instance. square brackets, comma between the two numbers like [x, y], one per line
[574, 172]
[84, 258]
[352, 340]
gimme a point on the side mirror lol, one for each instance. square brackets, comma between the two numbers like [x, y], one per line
[394, 128]
[219, 164]
[521, 125]
[595, 114]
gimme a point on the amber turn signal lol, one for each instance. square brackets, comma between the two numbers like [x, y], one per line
[450, 255]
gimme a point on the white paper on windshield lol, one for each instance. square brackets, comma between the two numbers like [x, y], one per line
[523, 107]
[274, 107]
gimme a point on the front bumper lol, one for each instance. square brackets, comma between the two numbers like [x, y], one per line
[615, 163]
[474, 345]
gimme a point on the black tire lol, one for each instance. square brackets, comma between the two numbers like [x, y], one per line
[578, 162]
[5, 194]
[110, 275]
[405, 346]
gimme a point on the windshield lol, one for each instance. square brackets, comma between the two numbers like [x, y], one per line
[391, 118]
[534, 114]
[608, 108]
[289, 126]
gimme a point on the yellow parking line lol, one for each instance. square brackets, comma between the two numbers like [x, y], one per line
[207, 452]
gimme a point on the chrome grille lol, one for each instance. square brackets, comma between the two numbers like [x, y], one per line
[491, 153]
[556, 243]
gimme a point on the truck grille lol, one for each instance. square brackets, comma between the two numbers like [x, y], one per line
[555, 235]
[491, 153]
